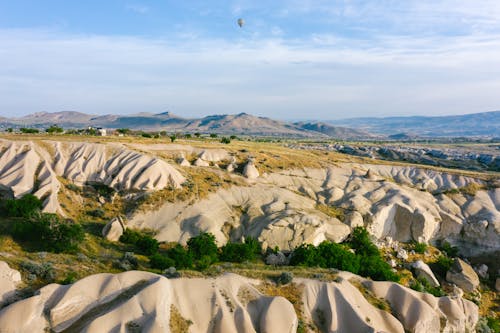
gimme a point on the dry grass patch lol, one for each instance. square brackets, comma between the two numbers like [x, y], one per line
[178, 324]
[379, 303]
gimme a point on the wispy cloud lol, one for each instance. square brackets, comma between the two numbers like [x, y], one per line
[137, 8]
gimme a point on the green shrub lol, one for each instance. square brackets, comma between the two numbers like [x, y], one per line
[284, 278]
[203, 248]
[364, 260]
[70, 278]
[181, 257]
[161, 262]
[49, 232]
[23, 207]
[338, 256]
[225, 140]
[420, 247]
[307, 255]
[442, 265]
[54, 129]
[240, 252]
[360, 241]
[143, 242]
[451, 251]
[28, 130]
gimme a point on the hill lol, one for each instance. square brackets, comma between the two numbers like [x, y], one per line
[238, 124]
[476, 124]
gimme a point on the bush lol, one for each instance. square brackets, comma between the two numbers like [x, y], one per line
[338, 256]
[181, 257]
[44, 271]
[161, 262]
[143, 242]
[50, 233]
[203, 249]
[240, 252]
[54, 129]
[28, 130]
[365, 260]
[307, 255]
[225, 140]
[420, 247]
[451, 251]
[70, 278]
[360, 241]
[284, 278]
[127, 262]
[442, 265]
[23, 207]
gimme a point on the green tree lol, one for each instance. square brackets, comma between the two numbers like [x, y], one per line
[54, 129]
[173, 137]
[26, 206]
[201, 246]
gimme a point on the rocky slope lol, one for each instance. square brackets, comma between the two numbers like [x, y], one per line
[283, 209]
[28, 167]
[280, 209]
[475, 124]
[139, 301]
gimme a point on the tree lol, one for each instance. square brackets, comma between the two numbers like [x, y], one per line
[203, 249]
[173, 137]
[123, 131]
[28, 130]
[240, 252]
[197, 134]
[23, 207]
[225, 140]
[54, 129]
[213, 135]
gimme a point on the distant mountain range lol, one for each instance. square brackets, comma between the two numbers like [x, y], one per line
[476, 124]
[486, 124]
[239, 124]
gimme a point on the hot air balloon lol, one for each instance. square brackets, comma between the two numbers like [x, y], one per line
[241, 22]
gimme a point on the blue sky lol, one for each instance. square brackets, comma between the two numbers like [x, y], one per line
[291, 60]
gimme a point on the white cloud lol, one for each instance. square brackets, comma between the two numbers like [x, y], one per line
[138, 8]
[325, 76]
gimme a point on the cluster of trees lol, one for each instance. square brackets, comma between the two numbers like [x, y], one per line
[202, 251]
[143, 242]
[46, 232]
[357, 255]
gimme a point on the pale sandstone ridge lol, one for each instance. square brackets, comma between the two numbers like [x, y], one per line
[463, 275]
[29, 167]
[280, 209]
[114, 229]
[9, 279]
[230, 303]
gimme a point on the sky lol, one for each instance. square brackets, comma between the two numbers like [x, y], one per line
[294, 59]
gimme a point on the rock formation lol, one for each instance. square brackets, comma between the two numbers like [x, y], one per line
[147, 302]
[9, 279]
[114, 229]
[463, 275]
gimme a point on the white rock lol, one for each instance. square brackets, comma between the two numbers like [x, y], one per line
[250, 171]
[184, 162]
[422, 270]
[393, 263]
[113, 229]
[354, 219]
[9, 278]
[463, 275]
[201, 163]
[402, 254]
